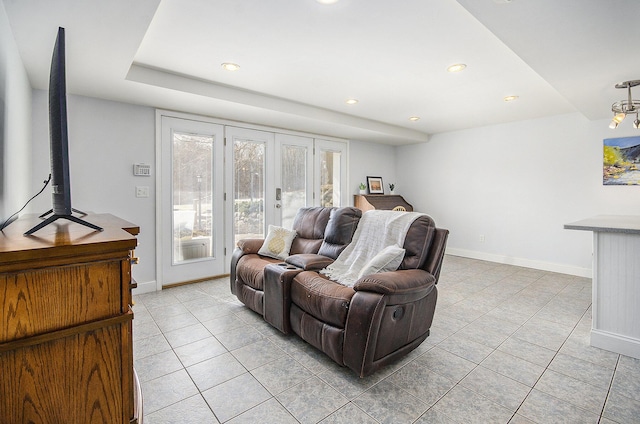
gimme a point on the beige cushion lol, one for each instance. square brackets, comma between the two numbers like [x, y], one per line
[389, 259]
[278, 242]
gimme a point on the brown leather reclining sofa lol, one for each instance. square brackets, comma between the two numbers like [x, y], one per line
[365, 327]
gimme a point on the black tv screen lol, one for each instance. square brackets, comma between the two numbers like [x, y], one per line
[59, 143]
[59, 139]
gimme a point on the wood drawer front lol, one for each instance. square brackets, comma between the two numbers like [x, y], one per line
[42, 300]
[75, 379]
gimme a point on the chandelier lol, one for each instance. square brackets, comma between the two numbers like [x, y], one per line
[625, 107]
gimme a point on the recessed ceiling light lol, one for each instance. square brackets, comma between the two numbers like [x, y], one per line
[510, 98]
[230, 66]
[456, 67]
[327, 1]
[352, 101]
[414, 118]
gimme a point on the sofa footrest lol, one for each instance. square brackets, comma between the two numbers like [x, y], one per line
[277, 294]
[324, 337]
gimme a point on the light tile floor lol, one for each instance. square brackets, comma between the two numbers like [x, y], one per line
[508, 345]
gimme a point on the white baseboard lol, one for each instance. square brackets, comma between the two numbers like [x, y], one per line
[527, 263]
[618, 343]
[146, 287]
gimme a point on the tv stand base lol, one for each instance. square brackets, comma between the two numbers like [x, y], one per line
[53, 218]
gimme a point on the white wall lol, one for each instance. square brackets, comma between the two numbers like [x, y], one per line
[517, 184]
[105, 139]
[15, 123]
[372, 159]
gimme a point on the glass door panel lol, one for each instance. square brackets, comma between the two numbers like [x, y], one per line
[248, 189]
[251, 182]
[192, 181]
[331, 178]
[294, 180]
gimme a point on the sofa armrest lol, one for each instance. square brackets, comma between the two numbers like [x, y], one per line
[277, 295]
[402, 286]
[309, 261]
[244, 247]
[250, 245]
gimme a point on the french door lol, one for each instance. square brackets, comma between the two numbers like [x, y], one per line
[218, 184]
[190, 229]
[273, 175]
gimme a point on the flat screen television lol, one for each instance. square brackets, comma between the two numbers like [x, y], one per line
[59, 143]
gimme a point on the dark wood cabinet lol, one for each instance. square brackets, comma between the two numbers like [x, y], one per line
[367, 202]
[66, 351]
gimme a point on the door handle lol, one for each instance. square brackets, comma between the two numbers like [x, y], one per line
[278, 193]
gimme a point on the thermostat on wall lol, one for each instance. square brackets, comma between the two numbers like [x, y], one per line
[142, 169]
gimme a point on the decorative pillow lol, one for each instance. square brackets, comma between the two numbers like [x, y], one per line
[389, 259]
[278, 243]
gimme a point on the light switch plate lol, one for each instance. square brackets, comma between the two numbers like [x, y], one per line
[142, 191]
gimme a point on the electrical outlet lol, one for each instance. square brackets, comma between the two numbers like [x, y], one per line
[142, 191]
[481, 238]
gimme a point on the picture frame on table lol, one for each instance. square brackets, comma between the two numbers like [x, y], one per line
[375, 185]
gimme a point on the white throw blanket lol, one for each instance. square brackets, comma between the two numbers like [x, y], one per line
[376, 230]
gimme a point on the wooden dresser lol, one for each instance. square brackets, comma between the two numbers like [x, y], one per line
[66, 351]
[366, 202]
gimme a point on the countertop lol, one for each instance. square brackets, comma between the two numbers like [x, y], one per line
[629, 224]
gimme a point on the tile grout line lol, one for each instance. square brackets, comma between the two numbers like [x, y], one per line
[606, 398]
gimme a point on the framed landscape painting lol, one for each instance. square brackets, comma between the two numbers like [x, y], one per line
[375, 185]
[621, 161]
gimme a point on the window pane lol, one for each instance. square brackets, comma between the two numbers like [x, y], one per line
[192, 185]
[330, 174]
[294, 182]
[248, 190]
